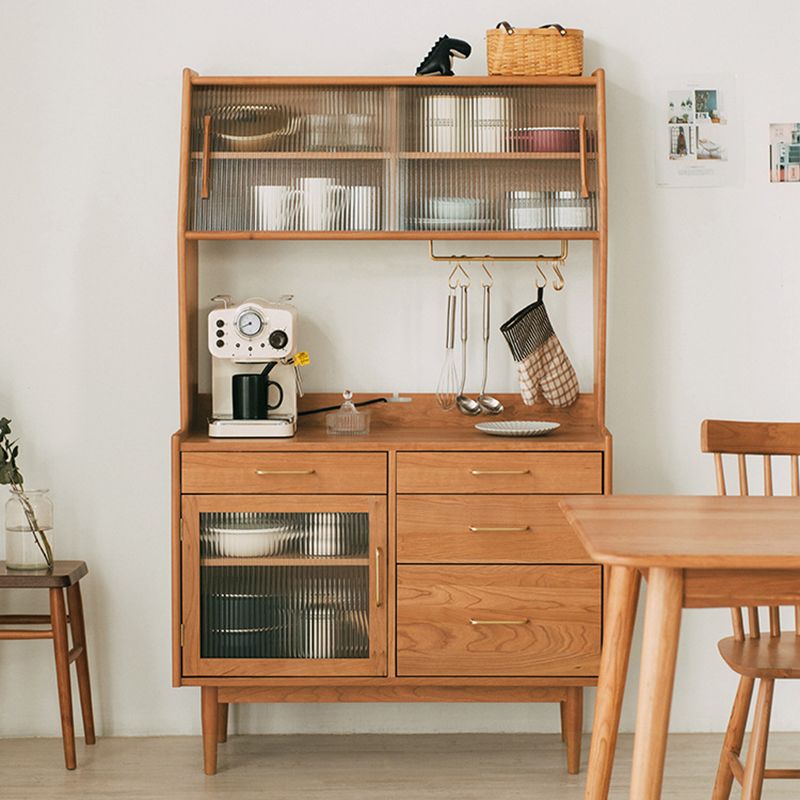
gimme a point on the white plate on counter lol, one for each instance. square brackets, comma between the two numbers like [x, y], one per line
[517, 427]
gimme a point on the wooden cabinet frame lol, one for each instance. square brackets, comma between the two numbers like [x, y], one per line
[415, 428]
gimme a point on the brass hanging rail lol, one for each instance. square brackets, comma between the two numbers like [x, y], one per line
[560, 258]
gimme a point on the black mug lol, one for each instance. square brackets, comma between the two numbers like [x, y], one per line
[251, 395]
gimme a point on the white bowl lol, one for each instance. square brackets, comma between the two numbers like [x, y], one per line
[244, 543]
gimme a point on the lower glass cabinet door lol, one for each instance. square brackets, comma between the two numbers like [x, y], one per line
[284, 585]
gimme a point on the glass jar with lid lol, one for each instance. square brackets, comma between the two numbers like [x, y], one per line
[527, 211]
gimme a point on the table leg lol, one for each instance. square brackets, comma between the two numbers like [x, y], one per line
[621, 601]
[659, 652]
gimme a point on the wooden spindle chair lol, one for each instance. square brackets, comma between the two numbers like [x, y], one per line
[752, 656]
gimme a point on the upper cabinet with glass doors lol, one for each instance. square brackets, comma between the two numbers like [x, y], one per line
[396, 158]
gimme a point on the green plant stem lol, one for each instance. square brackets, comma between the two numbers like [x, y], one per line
[39, 536]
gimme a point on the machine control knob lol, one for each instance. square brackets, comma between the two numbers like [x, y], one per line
[278, 340]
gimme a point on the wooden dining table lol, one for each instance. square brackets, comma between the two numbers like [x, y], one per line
[695, 552]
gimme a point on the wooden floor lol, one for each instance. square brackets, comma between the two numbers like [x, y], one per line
[455, 767]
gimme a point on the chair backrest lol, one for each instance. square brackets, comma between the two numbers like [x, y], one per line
[757, 439]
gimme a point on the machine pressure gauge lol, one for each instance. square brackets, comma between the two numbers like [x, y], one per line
[249, 323]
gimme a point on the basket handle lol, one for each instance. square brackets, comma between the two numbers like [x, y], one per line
[562, 30]
[509, 29]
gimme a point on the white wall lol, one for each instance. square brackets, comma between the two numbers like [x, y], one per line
[703, 294]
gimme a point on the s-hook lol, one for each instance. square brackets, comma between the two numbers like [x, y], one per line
[558, 284]
[454, 281]
[543, 284]
[450, 282]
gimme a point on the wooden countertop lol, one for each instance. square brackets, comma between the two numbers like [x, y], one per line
[418, 426]
[388, 438]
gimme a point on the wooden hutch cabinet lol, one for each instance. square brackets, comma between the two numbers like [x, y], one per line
[424, 561]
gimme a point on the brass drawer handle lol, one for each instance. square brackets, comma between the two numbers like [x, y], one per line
[500, 471]
[284, 472]
[499, 621]
[378, 560]
[519, 529]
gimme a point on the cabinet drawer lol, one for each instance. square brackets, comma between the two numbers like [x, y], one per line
[284, 473]
[504, 529]
[500, 473]
[498, 620]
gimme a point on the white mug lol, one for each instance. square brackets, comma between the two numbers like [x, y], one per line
[275, 207]
[322, 203]
[360, 209]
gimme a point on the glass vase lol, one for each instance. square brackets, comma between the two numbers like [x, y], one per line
[27, 511]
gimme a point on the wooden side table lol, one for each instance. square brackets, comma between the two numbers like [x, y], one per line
[64, 575]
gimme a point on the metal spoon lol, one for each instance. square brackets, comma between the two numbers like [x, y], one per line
[488, 404]
[466, 405]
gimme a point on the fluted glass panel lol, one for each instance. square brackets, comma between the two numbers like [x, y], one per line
[284, 612]
[290, 194]
[320, 534]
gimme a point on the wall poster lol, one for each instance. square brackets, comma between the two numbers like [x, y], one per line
[784, 152]
[695, 145]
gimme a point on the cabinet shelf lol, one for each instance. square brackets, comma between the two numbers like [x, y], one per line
[421, 155]
[548, 236]
[267, 561]
[304, 155]
[424, 155]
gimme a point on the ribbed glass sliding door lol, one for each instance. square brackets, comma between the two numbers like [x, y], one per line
[285, 160]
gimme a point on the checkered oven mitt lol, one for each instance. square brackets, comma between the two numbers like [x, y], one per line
[541, 360]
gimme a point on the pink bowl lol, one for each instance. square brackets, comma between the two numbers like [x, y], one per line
[545, 140]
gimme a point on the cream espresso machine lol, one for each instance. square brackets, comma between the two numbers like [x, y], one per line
[254, 380]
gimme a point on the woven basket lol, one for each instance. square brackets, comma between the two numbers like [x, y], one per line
[549, 50]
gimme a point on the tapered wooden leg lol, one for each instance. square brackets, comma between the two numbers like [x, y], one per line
[757, 750]
[659, 652]
[78, 629]
[222, 723]
[734, 736]
[622, 598]
[573, 728]
[210, 719]
[563, 707]
[58, 619]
